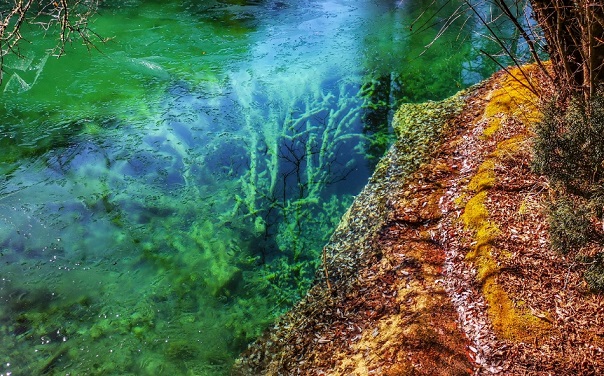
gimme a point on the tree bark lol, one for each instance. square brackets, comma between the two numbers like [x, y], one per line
[574, 33]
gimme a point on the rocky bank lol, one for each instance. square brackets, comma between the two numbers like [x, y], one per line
[442, 265]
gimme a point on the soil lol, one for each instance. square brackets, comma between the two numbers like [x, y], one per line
[450, 271]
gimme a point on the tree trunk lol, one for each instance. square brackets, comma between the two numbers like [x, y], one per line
[574, 33]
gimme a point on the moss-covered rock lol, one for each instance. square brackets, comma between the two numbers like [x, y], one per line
[422, 121]
[418, 128]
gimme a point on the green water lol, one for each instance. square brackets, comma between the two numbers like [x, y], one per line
[164, 199]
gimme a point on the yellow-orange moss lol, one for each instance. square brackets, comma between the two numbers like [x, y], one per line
[493, 126]
[508, 147]
[484, 178]
[509, 321]
[513, 98]
[475, 213]
[485, 232]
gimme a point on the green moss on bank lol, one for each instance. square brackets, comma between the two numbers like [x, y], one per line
[419, 128]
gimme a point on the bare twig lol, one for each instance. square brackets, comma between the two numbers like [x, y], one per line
[70, 16]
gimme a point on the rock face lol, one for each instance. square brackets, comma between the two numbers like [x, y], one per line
[427, 273]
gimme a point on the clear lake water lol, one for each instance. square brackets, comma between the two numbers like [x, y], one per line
[166, 196]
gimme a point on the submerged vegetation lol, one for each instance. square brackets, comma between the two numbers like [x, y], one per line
[165, 200]
[220, 269]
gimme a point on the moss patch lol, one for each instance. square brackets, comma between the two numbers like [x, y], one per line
[419, 128]
[415, 121]
[509, 320]
[485, 178]
[513, 98]
[508, 147]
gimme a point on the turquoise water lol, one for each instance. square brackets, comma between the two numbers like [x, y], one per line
[164, 199]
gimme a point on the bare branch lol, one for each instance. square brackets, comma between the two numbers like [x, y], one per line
[71, 17]
[508, 53]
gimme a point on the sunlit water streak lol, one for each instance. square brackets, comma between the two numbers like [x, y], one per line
[162, 202]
